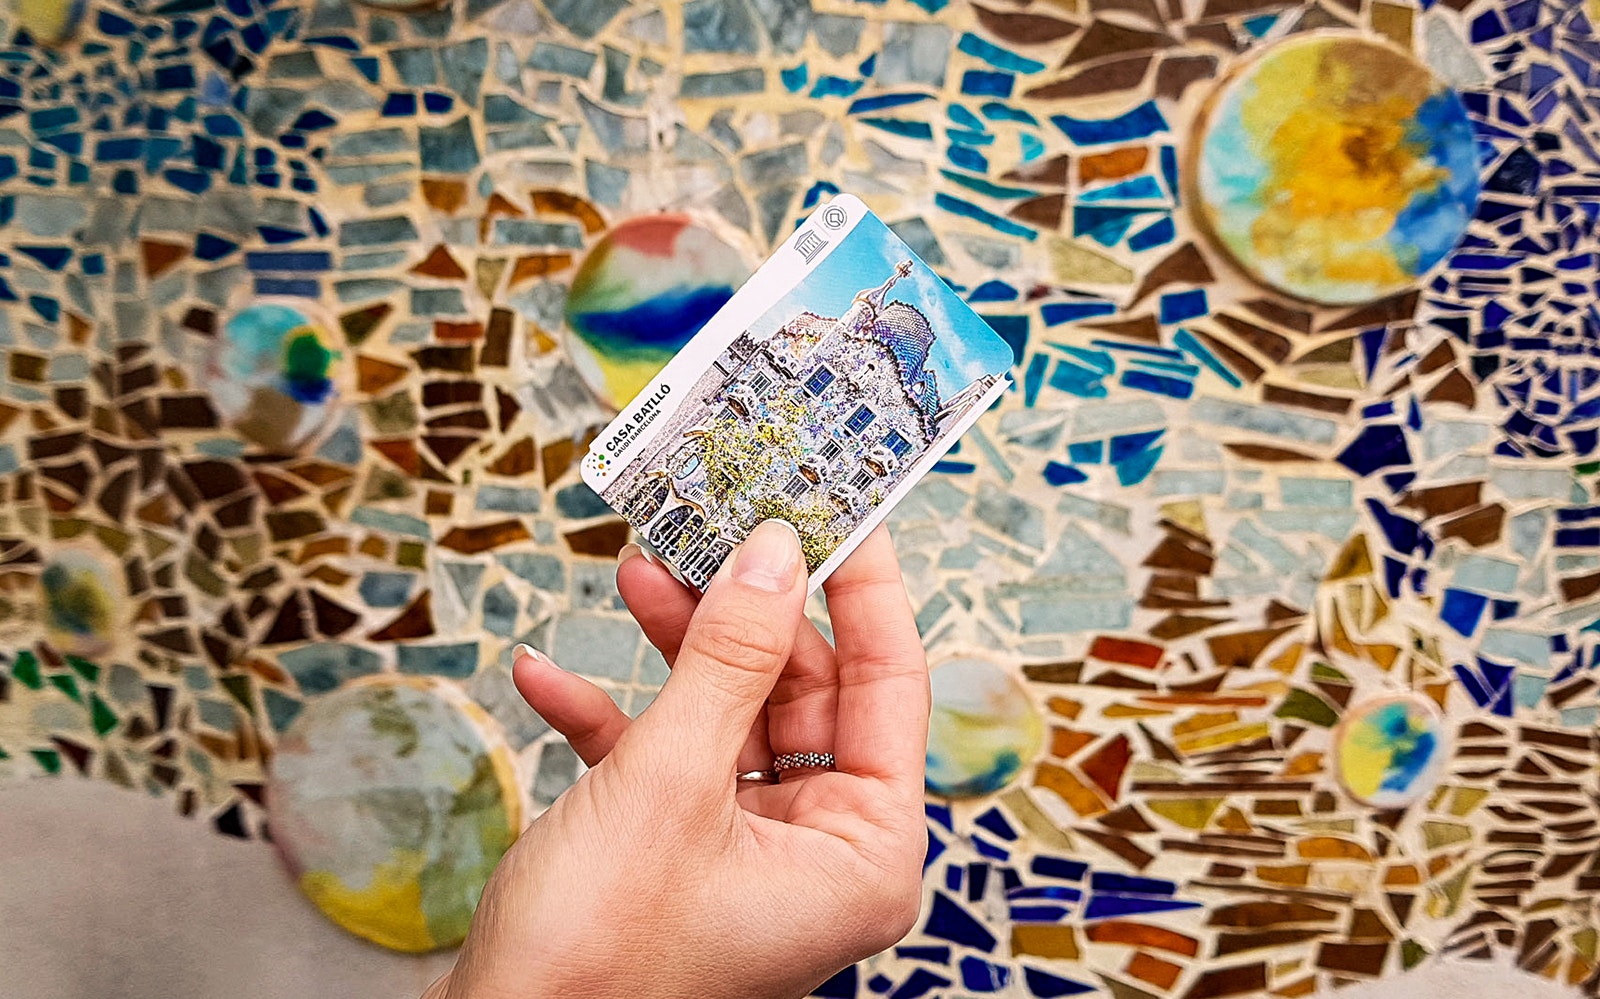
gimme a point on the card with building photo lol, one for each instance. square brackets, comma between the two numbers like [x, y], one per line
[825, 388]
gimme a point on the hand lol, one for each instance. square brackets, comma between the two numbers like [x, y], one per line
[654, 877]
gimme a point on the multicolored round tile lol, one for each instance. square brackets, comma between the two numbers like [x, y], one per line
[49, 22]
[391, 800]
[1335, 168]
[82, 594]
[272, 374]
[984, 729]
[640, 294]
[1389, 752]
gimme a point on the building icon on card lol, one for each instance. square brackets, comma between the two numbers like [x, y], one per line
[815, 424]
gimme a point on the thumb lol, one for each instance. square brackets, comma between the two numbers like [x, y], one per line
[732, 654]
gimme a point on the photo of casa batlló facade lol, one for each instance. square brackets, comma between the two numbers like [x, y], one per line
[816, 424]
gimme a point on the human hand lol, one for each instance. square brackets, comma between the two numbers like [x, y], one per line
[654, 876]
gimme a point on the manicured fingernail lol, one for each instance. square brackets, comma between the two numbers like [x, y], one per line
[769, 557]
[532, 653]
[629, 550]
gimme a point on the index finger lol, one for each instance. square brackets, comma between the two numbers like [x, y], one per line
[883, 671]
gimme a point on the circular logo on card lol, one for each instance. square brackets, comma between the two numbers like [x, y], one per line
[835, 217]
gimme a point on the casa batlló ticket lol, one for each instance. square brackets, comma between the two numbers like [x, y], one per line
[819, 394]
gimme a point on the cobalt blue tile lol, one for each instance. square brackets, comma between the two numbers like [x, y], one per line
[1135, 469]
[968, 158]
[1106, 906]
[940, 814]
[881, 102]
[1044, 985]
[1177, 307]
[993, 290]
[1123, 447]
[1114, 882]
[990, 850]
[50, 257]
[1143, 121]
[1462, 610]
[1159, 233]
[937, 955]
[954, 877]
[979, 975]
[1039, 913]
[947, 920]
[1058, 474]
[1056, 313]
[880, 983]
[292, 287]
[437, 103]
[919, 983]
[835, 86]
[981, 83]
[1376, 447]
[996, 823]
[1176, 388]
[1105, 225]
[794, 80]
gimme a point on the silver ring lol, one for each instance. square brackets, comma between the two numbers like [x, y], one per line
[755, 777]
[802, 761]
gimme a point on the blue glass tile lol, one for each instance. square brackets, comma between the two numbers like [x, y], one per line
[881, 102]
[995, 111]
[1087, 452]
[1186, 340]
[399, 104]
[296, 287]
[815, 192]
[940, 814]
[1105, 906]
[869, 65]
[996, 56]
[1039, 913]
[1123, 447]
[993, 291]
[1044, 985]
[1376, 447]
[879, 983]
[1056, 313]
[50, 257]
[437, 103]
[899, 126]
[955, 467]
[1033, 379]
[1462, 610]
[314, 119]
[1114, 882]
[968, 159]
[94, 263]
[947, 920]
[288, 260]
[122, 182]
[1058, 474]
[1258, 26]
[966, 119]
[1486, 27]
[1105, 226]
[980, 83]
[1176, 388]
[113, 25]
[990, 850]
[1135, 469]
[966, 209]
[937, 955]
[1083, 382]
[954, 877]
[1032, 147]
[794, 80]
[967, 137]
[47, 308]
[1159, 233]
[367, 66]
[996, 823]
[835, 86]
[921, 981]
[1134, 189]
[1178, 307]
[1056, 867]
[1143, 121]
[179, 77]
[979, 975]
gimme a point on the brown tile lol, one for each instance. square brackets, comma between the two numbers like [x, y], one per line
[1353, 958]
[517, 460]
[1243, 943]
[1106, 765]
[1477, 527]
[496, 351]
[403, 453]
[1052, 171]
[186, 412]
[1177, 73]
[458, 360]
[557, 458]
[563, 203]
[1112, 77]
[373, 375]
[1105, 38]
[1454, 387]
[1136, 934]
[1162, 974]
[538, 265]
[1044, 940]
[1115, 164]
[1238, 980]
[440, 264]
[485, 537]
[603, 540]
[1283, 315]
[1044, 211]
[462, 332]
[1440, 500]
[29, 368]
[1184, 265]
[1143, 328]
[446, 196]
[1281, 395]
[159, 258]
[447, 448]
[415, 621]
[1022, 27]
[331, 618]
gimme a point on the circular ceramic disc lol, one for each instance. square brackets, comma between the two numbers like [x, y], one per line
[272, 374]
[82, 594]
[640, 294]
[1335, 168]
[984, 729]
[1390, 752]
[391, 800]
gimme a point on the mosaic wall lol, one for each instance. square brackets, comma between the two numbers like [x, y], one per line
[1263, 632]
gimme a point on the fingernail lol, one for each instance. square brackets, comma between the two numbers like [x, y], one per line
[769, 557]
[629, 550]
[532, 653]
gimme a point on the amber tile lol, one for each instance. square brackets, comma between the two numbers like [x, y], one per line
[160, 257]
[517, 460]
[439, 263]
[1107, 764]
[415, 621]
[1064, 742]
[1079, 796]
[603, 540]
[447, 196]
[538, 265]
[457, 332]
[485, 537]
[1044, 940]
[1114, 164]
[1162, 974]
[564, 203]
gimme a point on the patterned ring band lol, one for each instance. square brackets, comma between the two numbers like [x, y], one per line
[802, 761]
[750, 778]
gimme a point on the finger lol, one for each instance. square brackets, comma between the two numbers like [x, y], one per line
[804, 702]
[733, 651]
[663, 607]
[573, 706]
[883, 672]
